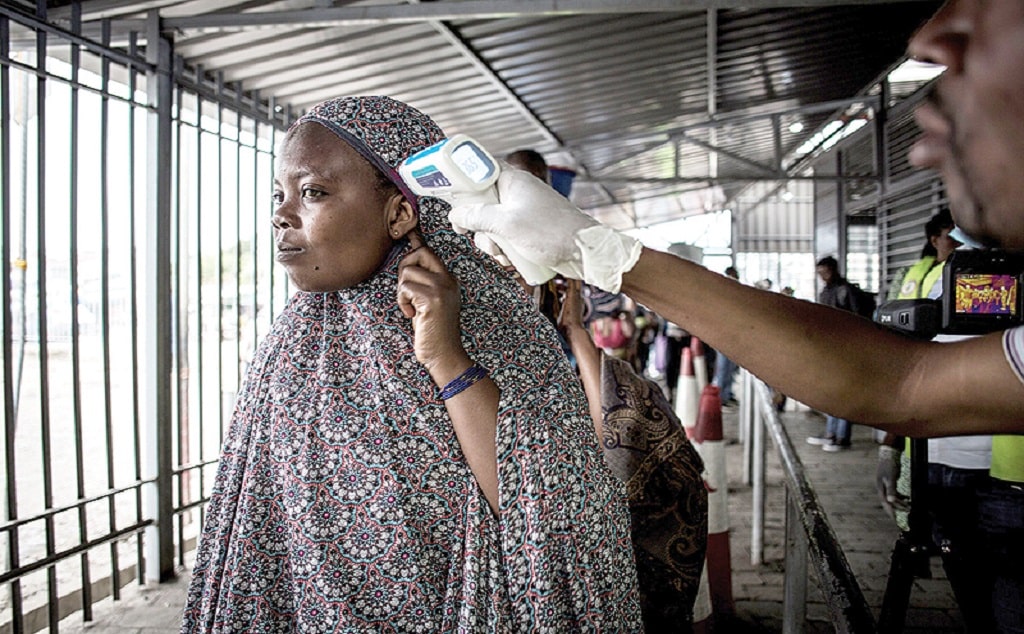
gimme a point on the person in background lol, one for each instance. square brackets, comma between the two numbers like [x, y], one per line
[647, 326]
[921, 277]
[546, 296]
[411, 450]
[531, 161]
[725, 368]
[646, 446]
[611, 319]
[957, 466]
[643, 441]
[837, 293]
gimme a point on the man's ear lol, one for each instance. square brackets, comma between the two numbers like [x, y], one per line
[401, 216]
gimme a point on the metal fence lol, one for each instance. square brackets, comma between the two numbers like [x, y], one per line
[137, 275]
[810, 541]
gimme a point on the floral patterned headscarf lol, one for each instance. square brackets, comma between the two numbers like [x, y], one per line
[343, 502]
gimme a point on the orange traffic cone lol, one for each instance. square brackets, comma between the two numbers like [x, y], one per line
[707, 438]
[687, 403]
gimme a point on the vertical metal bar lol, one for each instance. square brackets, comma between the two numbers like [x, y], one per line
[757, 467]
[794, 594]
[108, 423]
[10, 415]
[76, 352]
[712, 64]
[746, 424]
[133, 284]
[882, 139]
[44, 350]
[236, 360]
[885, 165]
[256, 198]
[271, 304]
[158, 321]
[220, 253]
[201, 375]
[841, 220]
[181, 231]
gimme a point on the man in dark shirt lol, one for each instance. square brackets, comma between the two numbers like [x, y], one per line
[838, 293]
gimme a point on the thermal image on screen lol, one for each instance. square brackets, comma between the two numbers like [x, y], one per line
[987, 294]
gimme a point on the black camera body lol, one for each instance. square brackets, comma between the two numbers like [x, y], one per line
[981, 293]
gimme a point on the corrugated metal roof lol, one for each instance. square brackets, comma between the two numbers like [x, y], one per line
[664, 108]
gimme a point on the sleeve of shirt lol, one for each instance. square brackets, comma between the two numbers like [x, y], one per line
[1013, 348]
[852, 300]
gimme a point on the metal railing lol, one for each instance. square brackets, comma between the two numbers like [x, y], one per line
[137, 275]
[809, 538]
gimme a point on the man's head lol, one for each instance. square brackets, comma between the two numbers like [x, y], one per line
[973, 128]
[828, 269]
[529, 161]
[936, 230]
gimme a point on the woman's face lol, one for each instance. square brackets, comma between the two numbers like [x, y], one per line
[332, 223]
[944, 245]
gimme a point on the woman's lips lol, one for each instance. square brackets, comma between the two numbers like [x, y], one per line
[287, 252]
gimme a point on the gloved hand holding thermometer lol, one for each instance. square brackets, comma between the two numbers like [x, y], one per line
[461, 172]
[538, 228]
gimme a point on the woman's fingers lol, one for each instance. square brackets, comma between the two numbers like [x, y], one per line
[416, 258]
[429, 295]
[572, 305]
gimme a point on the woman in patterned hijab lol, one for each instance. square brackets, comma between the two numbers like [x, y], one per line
[350, 495]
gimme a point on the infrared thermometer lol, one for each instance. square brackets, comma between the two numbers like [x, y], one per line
[459, 170]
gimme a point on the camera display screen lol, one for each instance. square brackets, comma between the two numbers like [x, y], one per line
[985, 294]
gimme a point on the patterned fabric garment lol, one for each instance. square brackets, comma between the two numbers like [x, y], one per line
[342, 501]
[646, 446]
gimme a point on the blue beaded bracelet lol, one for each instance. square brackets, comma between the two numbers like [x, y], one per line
[472, 375]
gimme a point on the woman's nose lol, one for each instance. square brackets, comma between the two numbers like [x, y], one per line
[283, 218]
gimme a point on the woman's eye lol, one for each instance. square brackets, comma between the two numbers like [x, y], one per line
[278, 197]
[309, 192]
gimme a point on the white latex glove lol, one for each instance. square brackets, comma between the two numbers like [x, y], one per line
[504, 253]
[540, 225]
[485, 244]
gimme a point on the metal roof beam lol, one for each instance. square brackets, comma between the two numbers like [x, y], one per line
[715, 149]
[469, 54]
[766, 111]
[476, 10]
[677, 180]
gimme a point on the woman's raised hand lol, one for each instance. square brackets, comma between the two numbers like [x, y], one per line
[429, 295]
[571, 315]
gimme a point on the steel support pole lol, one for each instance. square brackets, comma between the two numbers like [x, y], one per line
[757, 495]
[158, 328]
